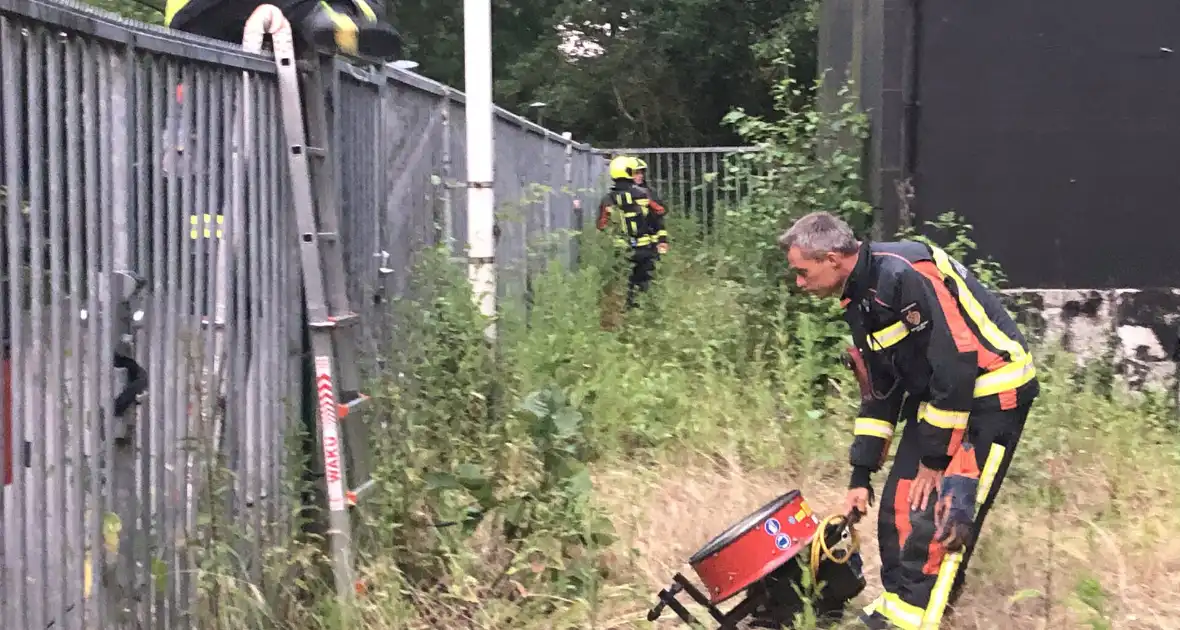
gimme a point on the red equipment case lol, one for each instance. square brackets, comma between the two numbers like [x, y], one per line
[754, 547]
[753, 556]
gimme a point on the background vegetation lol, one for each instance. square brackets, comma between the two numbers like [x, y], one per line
[558, 480]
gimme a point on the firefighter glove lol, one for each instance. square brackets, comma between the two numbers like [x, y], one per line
[955, 511]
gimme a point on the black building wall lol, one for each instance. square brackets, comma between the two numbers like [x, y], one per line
[1052, 126]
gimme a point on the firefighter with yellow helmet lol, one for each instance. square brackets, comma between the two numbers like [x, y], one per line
[638, 220]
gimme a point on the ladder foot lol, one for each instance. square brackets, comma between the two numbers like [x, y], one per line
[334, 321]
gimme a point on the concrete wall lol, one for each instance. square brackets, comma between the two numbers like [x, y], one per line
[1138, 326]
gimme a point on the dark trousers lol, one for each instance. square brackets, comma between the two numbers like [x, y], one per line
[911, 560]
[643, 267]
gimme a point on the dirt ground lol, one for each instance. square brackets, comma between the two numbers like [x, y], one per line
[1095, 578]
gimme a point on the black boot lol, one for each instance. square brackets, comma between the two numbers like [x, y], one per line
[359, 29]
[875, 621]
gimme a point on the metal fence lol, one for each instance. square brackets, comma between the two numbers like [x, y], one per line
[697, 182]
[129, 169]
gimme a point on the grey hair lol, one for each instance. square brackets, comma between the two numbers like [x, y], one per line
[818, 233]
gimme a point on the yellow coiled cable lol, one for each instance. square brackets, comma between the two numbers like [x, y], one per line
[820, 548]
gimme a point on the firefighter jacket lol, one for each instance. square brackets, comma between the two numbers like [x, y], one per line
[638, 218]
[927, 328]
[657, 204]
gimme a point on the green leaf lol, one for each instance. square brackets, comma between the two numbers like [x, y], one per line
[441, 481]
[1024, 594]
[567, 421]
[534, 404]
[514, 511]
[579, 482]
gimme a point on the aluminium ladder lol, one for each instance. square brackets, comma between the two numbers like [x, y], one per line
[331, 321]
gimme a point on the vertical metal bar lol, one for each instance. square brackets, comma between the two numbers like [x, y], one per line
[716, 196]
[194, 269]
[203, 463]
[16, 543]
[179, 310]
[447, 173]
[90, 129]
[57, 428]
[122, 462]
[34, 382]
[233, 293]
[232, 343]
[113, 249]
[680, 192]
[76, 590]
[158, 342]
[254, 325]
[141, 558]
[271, 299]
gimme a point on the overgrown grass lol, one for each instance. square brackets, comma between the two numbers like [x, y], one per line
[558, 479]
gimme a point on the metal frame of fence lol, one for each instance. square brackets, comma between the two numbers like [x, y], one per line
[120, 193]
[695, 181]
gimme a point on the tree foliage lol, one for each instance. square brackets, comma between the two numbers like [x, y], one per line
[641, 72]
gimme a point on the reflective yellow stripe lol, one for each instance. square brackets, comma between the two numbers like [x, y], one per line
[873, 427]
[171, 9]
[942, 418]
[208, 220]
[876, 603]
[903, 615]
[365, 9]
[346, 30]
[888, 336]
[1010, 376]
[940, 594]
[987, 327]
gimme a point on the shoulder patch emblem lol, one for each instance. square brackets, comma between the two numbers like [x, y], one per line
[915, 320]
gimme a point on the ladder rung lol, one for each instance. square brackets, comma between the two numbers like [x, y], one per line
[355, 495]
[316, 152]
[206, 322]
[333, 321]
[327, 236]
[343, 409]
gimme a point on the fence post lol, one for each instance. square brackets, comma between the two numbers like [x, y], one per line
[575, 204]
[447, 218]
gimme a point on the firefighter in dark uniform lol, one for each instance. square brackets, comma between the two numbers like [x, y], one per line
[639, 221]
[943, 355]
[640, 178]
[355, 27]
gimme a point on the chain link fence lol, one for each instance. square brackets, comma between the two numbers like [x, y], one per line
[137, 189]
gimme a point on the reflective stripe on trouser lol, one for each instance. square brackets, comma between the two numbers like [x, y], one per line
[917, 574]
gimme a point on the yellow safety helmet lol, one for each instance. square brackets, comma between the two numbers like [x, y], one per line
[640, 165]
[622, 167]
